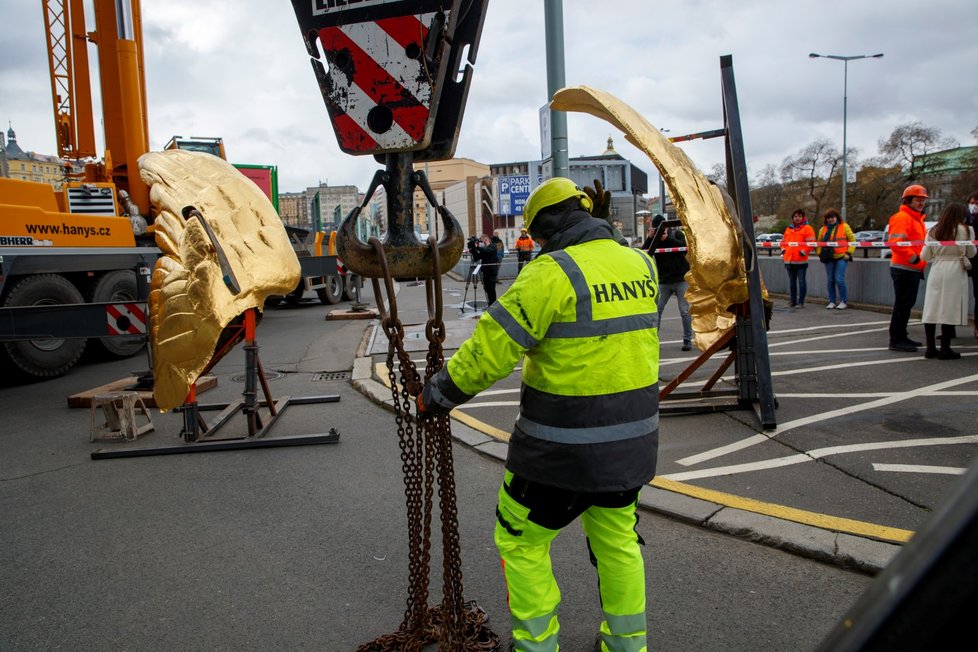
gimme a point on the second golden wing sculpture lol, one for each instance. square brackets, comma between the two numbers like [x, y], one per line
[717, 277]
[190, 303]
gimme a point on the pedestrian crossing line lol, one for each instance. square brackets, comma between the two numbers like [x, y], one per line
[824, 521]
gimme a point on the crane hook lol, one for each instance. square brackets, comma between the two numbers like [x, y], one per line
[407, 255]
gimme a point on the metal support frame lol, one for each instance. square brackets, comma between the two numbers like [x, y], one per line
[747, 341]
[201, 436]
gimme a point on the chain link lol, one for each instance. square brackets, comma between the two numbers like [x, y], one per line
[426, 450]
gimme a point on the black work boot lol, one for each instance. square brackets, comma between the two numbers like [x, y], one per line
[947, 334]
[930, 331]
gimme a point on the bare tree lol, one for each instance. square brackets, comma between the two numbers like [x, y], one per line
[908, 143]
[877, 193]
[718, 174]
[813, 169]
[766, 191]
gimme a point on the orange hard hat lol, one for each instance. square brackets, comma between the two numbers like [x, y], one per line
[915, 191]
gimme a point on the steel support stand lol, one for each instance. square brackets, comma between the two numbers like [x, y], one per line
[748, 339]
[202, 436]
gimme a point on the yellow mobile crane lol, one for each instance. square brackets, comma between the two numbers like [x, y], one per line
[81, 246]
[90, 245]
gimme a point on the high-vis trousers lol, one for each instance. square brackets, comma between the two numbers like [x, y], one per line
[528, 517]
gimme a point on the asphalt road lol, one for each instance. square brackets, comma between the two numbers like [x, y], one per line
[304, 547]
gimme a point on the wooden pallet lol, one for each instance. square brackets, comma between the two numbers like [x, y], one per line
[84, 399]
[370, 313]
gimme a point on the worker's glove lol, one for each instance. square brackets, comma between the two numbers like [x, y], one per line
[426, 406]
[422, 408]
[600, 201]
[914, 259]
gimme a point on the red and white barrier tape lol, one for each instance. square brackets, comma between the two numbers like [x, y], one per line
[874, 245]
[858, 245]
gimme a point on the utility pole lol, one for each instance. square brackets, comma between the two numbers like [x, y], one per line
[554, 24]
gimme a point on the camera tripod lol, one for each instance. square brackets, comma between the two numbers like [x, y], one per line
[472, 278]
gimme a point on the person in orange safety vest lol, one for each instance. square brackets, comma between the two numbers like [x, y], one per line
[795, 249]
[837, 258]
[524, 249]
[906, 265]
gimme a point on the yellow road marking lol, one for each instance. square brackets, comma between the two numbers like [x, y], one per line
[823, 521]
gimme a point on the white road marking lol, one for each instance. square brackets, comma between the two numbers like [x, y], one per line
[824, 416]
[842, 325]
[871, 394]
[835, 336]
[919, 468]
[481, 404]
[816, 454]
[848, 365]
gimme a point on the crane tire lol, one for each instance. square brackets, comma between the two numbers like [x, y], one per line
[119, 287]
[42, 359]
[333, 292]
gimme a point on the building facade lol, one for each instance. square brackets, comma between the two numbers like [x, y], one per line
[442, 175]
[329, 205]
[950, 176]
[293, 208]
[15, 163]
[627, 183]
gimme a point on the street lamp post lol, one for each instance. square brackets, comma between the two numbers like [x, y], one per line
[845, 83]
[662, 187]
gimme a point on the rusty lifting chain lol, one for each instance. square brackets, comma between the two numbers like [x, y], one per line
[426, 449]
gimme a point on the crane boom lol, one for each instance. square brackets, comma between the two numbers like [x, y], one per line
[71, 90]
[118, 37]
[122, 73]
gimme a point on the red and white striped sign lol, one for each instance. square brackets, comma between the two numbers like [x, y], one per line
[126, 318]
[379, 88]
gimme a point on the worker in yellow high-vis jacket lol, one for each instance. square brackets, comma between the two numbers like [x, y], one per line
[585, 442]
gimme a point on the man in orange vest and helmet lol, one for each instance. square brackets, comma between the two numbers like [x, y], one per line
[906, 266]
[524, 249]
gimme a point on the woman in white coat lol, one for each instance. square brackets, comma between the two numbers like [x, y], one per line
[946, 296]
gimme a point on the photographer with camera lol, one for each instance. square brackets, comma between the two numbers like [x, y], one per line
[484, 251]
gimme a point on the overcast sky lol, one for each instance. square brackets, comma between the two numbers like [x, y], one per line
[238, 69]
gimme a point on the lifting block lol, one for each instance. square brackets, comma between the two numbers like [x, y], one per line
[119, 412]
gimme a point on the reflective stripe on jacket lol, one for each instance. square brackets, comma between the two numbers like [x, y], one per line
[797, 255]
[584, 317]
[906, 225]
[844, 238]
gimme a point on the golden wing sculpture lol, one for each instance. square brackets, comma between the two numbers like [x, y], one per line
[717, 277]
[190, 300]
